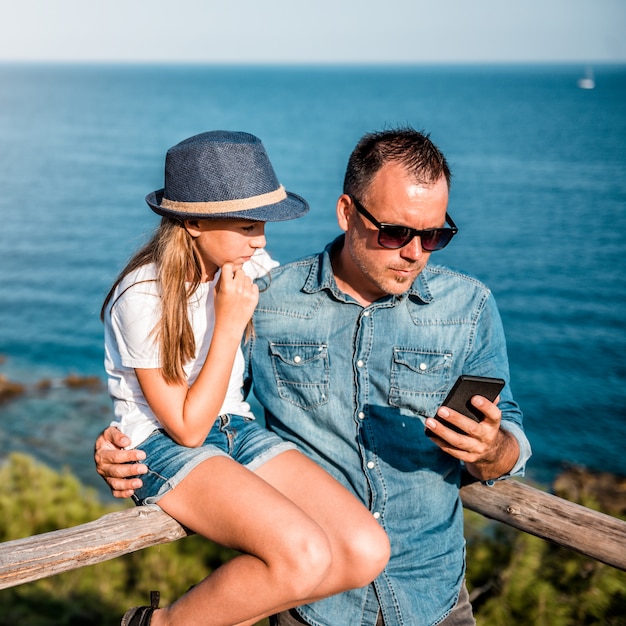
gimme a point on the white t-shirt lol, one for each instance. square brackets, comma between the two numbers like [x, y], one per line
[129, 343]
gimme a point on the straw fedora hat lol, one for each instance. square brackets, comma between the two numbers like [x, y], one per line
[223, 174]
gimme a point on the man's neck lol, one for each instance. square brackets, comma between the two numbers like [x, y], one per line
[349, 279]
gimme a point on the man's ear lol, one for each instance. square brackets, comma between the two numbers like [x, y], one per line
[344, 211]
[192, 227]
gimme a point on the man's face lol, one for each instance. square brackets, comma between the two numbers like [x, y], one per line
[365, 269]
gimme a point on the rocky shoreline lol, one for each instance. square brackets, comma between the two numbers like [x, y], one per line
[10, 390]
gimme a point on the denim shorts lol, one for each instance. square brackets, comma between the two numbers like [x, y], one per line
[234, 436]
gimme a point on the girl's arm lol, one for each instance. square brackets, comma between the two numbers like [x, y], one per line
[188, 412]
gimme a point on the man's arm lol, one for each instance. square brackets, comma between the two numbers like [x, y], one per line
[117, 466]
[497, 446]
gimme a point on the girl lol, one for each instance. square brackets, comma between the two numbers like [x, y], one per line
[174, 321]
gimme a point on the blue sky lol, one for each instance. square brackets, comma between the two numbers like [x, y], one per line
[321, 31]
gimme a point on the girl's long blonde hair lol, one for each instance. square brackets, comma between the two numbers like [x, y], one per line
[178, 275]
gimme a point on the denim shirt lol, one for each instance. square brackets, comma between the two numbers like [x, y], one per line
[352, 386]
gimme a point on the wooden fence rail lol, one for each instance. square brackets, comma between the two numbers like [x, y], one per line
[594, 534]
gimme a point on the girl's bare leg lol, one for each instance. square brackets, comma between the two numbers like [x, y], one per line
[285, 553]
[302, 534]
[360, 547]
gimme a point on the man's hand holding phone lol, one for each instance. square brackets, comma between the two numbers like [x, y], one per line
[467, 426]
[460, 398]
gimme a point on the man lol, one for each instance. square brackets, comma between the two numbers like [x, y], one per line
[353, 354]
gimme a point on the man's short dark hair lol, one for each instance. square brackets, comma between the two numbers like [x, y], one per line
[411, 148]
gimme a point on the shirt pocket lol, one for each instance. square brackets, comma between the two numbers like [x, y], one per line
[419, 380]
[301, 372]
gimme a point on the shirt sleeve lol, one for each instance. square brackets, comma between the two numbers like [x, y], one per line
[489, 358]
[524, 447]
[134, 317]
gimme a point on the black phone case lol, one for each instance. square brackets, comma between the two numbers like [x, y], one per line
[462, 392]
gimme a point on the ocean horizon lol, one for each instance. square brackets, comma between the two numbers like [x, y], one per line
[538, 193]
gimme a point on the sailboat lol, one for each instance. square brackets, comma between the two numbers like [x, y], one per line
[587, 81]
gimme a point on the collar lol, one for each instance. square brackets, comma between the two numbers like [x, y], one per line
[321, 278]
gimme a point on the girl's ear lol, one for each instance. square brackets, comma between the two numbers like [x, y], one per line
[192, 227]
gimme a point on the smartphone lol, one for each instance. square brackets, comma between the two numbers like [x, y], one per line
[464, 389]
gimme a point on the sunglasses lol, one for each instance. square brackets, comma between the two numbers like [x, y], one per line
[393, 236]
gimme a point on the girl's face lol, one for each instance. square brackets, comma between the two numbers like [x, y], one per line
[225, 241]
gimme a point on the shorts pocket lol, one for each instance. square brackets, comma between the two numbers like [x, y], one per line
[419, 380]
[301, 372]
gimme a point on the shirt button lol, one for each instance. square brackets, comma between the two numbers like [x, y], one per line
[371, 465]
[366, 313]
[297, 359]
[361, 415]
[359, 363]
[376, 515]
[423, 366]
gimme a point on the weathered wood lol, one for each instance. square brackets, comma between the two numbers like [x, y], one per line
[571, 525]
[115, 534]
[594, 534]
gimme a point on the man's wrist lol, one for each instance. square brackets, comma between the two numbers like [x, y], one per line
[501, 461]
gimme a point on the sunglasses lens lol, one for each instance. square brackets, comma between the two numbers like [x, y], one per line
[394, 237]
[433, 240]
[436, 239]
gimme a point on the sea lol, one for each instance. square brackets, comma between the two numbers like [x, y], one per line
[538, 193]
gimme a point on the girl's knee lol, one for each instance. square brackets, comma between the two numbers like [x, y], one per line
[367, 554]
[315, 555]
[305, 564]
